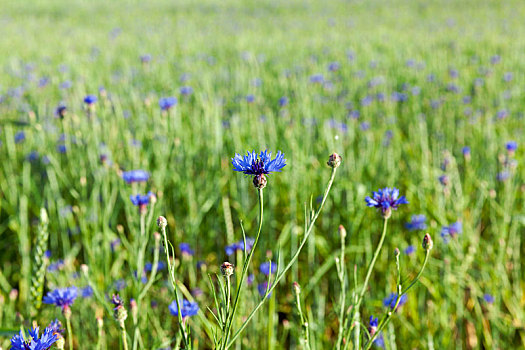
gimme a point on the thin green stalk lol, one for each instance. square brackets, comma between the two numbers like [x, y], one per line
[69, 332]
[292, 261]
[247, 261]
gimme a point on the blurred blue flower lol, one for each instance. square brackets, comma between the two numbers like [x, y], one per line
[511, 146]
[232, 248]
[186, 90]
[63, 297]
[20, 137]
[316, 79]
[409, 250]
[262, 288]
[135, 176]
[87, 292]
[250, 98]
[452, 230]
[283, 101]
[488, 298]
[90, 99]
[265, 268]
[188, 308]
[185, 249]
[417, 222]
[165, 103]
[141, 200]
[391, 300]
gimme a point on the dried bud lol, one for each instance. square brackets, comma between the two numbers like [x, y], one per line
[427, 242]
[162, 222]
[259, 181]
[296, 288]
[342, 231]
[334, 161]
[227, 269]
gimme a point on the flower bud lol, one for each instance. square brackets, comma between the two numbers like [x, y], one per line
[162, 222]
[66, 311]
[84, 268]
[13, 294]
[227, 269]
[296, 288]
[259, 181]
[342, 231]
[334, 160]
[156, 235]
[427, 242]
[396, 252]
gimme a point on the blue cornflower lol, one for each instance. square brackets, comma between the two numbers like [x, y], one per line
[334, 66]
[265, 268]
[511, 146]
[409, 250]
[135, 176]
[283, 101]
[63, 297]
[452, 230]
[90, 99]
[186, 90]
[56, 326]
[444, 180]
[35, 341]
[232, 248]
[141, 200]
[185, 249]
[391, 300]
[165, 103]
[316, 78]
[263, 288]
[20, 137]
[61, 148]
[148, 267]
[145, 58]
[417, 222]
[466, 151]
[188, 308]
[87, 292]
[488, 298]
[495, 59]
[61, 111]
[258, 165]
[386, 199]
[250, 98]
[503, 176]
[373, 323]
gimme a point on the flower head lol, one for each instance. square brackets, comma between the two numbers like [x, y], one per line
[391, 300]
[232, 248]
[372, 325]
[135, 176]
[409, 250]
[188, 308]
[268, 268]
[63, 297]
[35, 341]
[386, 199]
[90, 99]
[452, 230]
[165, 103]
[185, 249]
[417, 222]
[511, 146]
[140, 200]
[488, 298]
[258, 165]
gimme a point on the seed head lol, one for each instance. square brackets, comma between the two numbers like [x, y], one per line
[162, 222]
[227, 269]
[427, 242]
[334, 160]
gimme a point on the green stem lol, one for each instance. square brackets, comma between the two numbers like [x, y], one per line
[247, 261]
[69, 333]
[124, 335]
[292, 261]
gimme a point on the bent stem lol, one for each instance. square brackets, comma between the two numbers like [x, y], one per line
[388, 316]
[280, 275]
[231, 316]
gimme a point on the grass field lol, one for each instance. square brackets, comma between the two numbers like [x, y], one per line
[424, 96]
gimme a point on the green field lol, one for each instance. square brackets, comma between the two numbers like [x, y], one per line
[397, 88]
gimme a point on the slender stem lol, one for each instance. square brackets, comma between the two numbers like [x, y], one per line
[304, 323]
[341, 273]
[124, 335]
[371, 266]
[171, 270]
[69, 332]
[385, 321]
[292, 261]
[231, 317]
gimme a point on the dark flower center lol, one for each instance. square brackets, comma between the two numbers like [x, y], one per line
[258, 167]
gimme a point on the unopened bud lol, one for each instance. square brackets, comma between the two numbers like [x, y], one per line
[427, 242]
[156, 235]
[334, 160]
[84, 268]
[259, 181]
[66, 311]
[13, 294]
[342, 231]
[296, 288]
[396, 252]
[387, 213]
[227, 269]
[162, 222]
